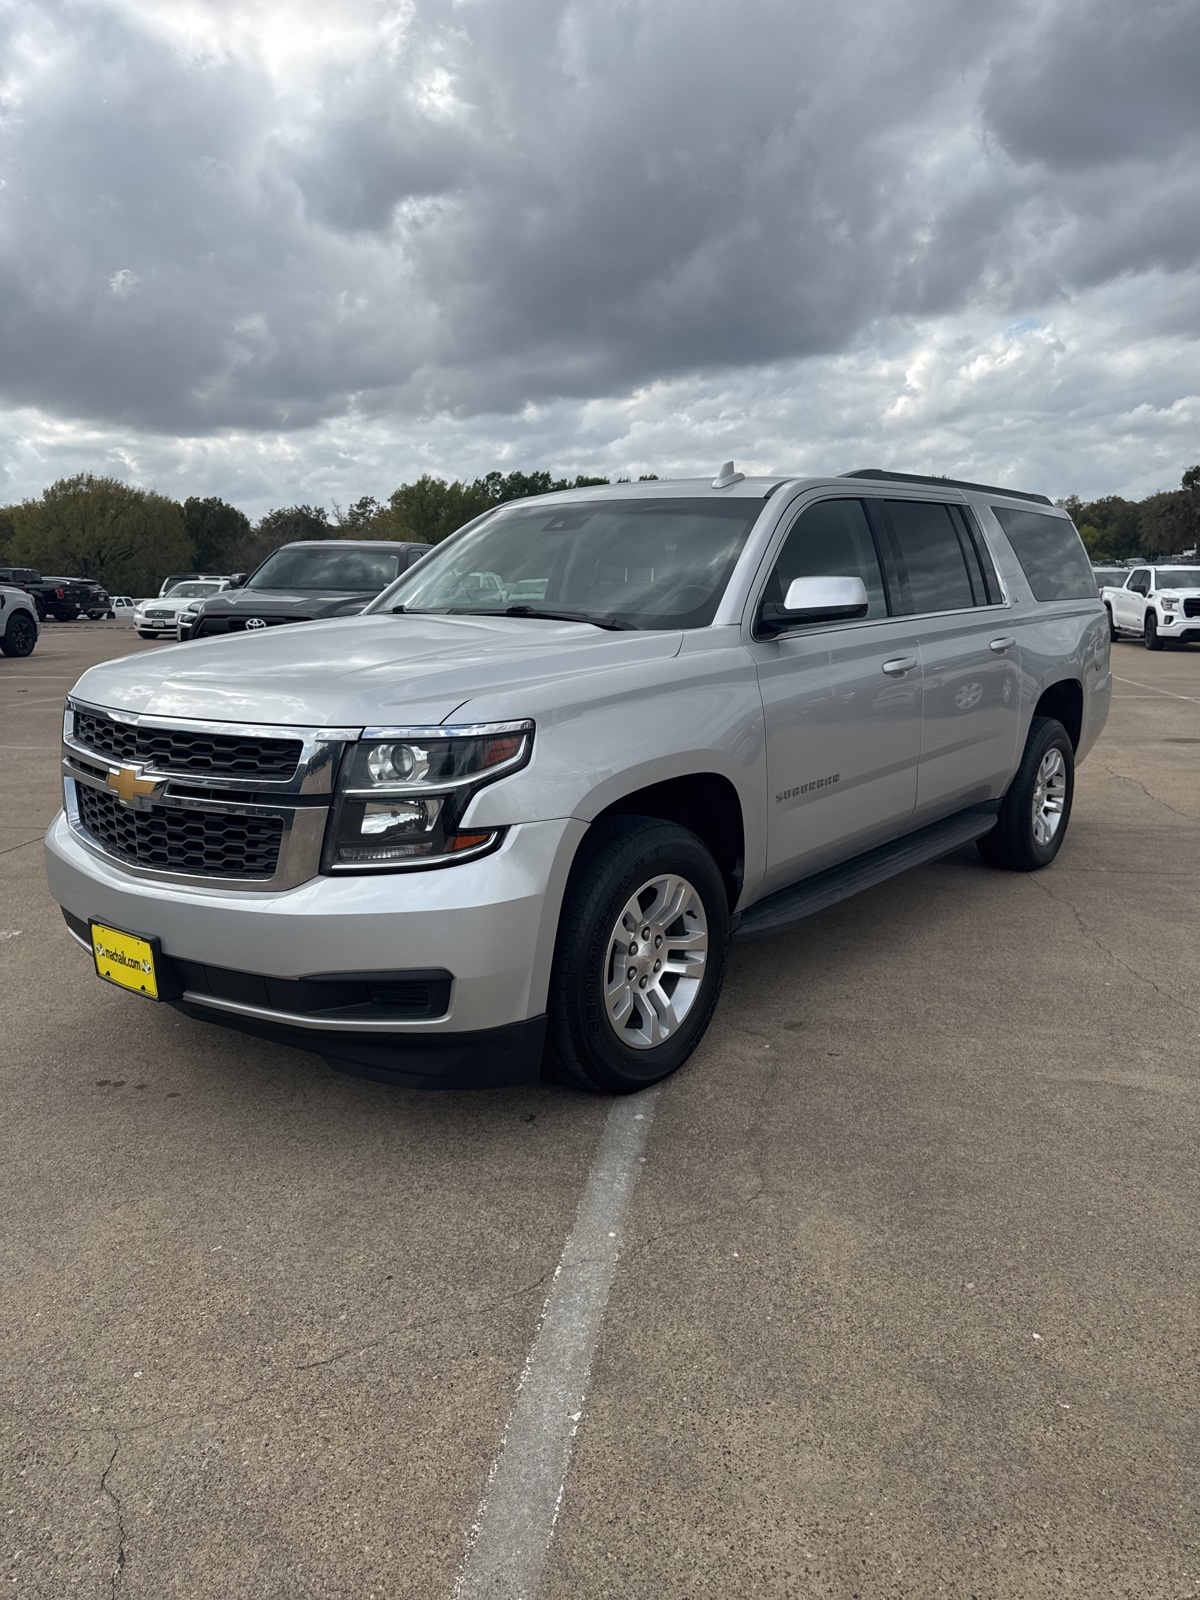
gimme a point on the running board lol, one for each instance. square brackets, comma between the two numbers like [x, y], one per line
[789, 906]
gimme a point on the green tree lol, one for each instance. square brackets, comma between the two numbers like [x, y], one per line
[1116, 523]
[431, 509]
[367, 519]
[94, 527]
[282, 526]
[8, 528]
[219, 532]
[1167, 523]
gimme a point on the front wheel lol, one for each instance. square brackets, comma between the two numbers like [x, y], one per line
[20, 636]
[640, 957]
[1034, 814]
[1150, 634]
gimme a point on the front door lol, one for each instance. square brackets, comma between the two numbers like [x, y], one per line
[842, 704]
[1129, 605]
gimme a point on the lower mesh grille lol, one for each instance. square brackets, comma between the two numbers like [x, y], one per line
[173, 839]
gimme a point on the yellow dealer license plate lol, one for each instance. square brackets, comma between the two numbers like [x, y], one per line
[124, 959]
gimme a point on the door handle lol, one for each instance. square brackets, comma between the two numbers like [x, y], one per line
[899, 666]
[1001, 645]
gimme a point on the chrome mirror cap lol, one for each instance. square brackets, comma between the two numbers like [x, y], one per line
[826, 594]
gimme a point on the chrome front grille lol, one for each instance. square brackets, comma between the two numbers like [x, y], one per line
[234, 805]
[213, 844]
[187, 750]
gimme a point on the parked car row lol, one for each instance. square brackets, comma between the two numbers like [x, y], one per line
[64, 599]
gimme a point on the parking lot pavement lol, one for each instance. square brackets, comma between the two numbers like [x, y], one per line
[905, 1305]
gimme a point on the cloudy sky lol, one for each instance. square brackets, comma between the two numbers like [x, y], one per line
[279, 250]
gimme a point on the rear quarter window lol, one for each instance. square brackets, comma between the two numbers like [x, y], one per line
[1051, 554]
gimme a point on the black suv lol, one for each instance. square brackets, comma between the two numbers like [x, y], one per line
[302, 582]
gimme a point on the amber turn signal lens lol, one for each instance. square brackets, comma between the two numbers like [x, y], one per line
[467, 841]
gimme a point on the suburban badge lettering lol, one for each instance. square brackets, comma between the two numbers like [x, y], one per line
[807, 788]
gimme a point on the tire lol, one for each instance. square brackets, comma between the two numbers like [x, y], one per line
[20, 635]
[1017, 843]
[669, 878]
[1112, 627]
[1150, 635]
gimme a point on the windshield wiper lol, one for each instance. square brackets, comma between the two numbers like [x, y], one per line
[613, 624]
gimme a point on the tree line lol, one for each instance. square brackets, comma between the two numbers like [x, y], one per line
[128, 538]
[1160, 526]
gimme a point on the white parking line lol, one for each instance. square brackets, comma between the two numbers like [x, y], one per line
[1170, 693]
[516, 1517]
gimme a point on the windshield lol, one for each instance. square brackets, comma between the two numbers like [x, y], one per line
[318, 567]
[193, 591]
[635, 563]
[1179, 577]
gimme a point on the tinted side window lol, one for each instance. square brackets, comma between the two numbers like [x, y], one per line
[931, 555]
[1051, 554]
[830, 540]
[1139, 580]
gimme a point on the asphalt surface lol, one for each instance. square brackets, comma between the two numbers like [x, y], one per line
[906, 1304]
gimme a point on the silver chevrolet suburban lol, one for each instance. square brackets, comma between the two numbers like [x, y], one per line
[491, 830]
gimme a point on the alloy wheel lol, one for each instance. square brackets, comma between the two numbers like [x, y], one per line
[654, 962]
[1049, 796]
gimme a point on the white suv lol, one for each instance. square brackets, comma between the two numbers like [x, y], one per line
[460, 836]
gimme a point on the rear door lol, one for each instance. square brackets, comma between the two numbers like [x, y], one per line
[971, 690]
[842, 704]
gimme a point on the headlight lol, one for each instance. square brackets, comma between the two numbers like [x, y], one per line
[1169, 602]
[402, 793]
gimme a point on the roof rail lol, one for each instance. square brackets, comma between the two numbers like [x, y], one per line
[948, 483]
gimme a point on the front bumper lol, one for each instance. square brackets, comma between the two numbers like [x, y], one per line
[1173, 625]
[490, 923]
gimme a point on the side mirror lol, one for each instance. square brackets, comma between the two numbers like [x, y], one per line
[238, 579]
[814, 600]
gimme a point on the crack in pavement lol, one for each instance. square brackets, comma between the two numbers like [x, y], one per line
[278, 1379]
[413, 1327]
[119, 1565]
[1123, 777]
[8, 849]
[1105, 950]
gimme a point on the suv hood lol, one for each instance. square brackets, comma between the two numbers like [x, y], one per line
[362, 671]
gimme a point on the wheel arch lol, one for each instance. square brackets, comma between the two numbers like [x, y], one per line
[708, 805]
[1064, 702]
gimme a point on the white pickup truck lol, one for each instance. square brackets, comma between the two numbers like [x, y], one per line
[1156, 603]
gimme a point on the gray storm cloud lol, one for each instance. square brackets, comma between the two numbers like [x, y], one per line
[533, 199]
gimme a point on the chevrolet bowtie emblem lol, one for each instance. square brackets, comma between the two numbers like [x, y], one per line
[130, 786]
